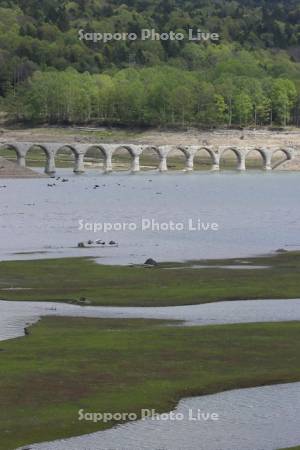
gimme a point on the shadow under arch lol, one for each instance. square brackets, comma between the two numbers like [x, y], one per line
[279, 156]
[10, 152]
[94, 157]
[149, 158]
[256, 159]
[65, 156]
[177, 158]
[230, 159]
[204, 159]
[37, 155]
[122, 157]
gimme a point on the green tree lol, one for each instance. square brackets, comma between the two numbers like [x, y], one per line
[283, 97]
[243, 108]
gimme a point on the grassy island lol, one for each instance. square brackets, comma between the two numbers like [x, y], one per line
[68, 364]
[69, 279]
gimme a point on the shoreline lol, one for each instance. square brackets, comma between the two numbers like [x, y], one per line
[131, 429]
[61, 335]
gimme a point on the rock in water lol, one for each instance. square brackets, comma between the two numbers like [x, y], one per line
[150, 262]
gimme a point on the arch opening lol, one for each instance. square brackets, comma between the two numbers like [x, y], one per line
[279, 157]
[203, 159]
[65, 157]
[9, 152]
[176, 159]
[36, 156]
[149, 159]
[230, 159]
[122, 159]
[94, 158]
[255, 160]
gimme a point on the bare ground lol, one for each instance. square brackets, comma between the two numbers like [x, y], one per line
[260, 137]
[9, 169]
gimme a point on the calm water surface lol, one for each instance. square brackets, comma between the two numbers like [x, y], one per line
[256, 212]
[15, 315]
[265, 418]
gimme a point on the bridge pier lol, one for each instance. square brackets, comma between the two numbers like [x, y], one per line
[108, 167]
[242, 163]
[135, 167]
[216, 162]
[163, 166]
[189, 163]
[21, 161]
[215, 167]
[79, 163]
[50, 168]
[268, 161]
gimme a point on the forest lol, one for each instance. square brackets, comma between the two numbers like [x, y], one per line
[250, 77]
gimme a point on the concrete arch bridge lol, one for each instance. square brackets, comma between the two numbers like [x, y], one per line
[163, 152]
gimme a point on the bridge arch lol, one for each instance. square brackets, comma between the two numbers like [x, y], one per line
[15, 152]
[177, 157]
[120, 158]
[256, 163]
[224, 164]
[37, 155]
[280, 155]
[38, 147]
[65, 156]
[94, 157]
[286, 151]
[69, 147]
[204, 157]
[123, 147]
[149, 157]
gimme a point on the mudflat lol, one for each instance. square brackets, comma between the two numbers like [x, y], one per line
[9, 169]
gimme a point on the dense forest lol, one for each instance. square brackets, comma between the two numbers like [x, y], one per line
[251, 76]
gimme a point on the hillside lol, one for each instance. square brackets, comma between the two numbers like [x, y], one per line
[45, 32]
[53, 71]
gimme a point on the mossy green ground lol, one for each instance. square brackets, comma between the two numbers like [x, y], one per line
[69, 279]
[98, 365]
[292, 448]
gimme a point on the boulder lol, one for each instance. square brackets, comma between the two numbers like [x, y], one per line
[150, 262]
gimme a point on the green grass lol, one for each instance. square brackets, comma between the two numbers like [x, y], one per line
[292, 448]
[100, 365]
[106, 135]
[69, 279]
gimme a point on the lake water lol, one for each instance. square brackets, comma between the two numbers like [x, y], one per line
[14, 316]
[264, 418]
[256, 213]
